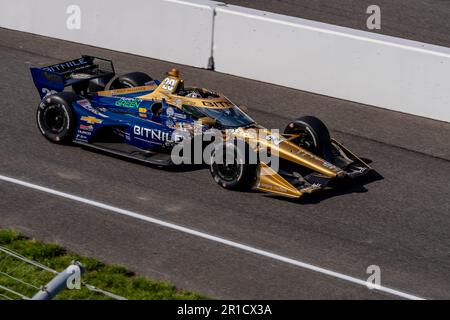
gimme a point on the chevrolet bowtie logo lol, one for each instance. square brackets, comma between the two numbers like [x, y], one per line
[91, 120]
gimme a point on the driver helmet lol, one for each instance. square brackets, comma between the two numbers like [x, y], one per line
[193, 94]
[174, 73]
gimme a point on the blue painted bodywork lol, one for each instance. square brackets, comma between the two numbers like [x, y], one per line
[131, 117]
[128, 116]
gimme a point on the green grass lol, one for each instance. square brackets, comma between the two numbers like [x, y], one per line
[115, 279]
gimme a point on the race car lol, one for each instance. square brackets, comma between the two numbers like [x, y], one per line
[84, 102]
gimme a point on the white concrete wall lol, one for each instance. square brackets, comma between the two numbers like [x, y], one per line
[359, 66]
[373, 69]
[172, 30]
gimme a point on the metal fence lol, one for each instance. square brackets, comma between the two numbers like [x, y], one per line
[25, 279]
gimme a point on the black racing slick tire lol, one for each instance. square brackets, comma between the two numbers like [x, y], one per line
[130, 80]
[55, 118]
[313, 136]
[240, 173]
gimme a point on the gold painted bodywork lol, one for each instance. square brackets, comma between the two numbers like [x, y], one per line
[269, 180]
[167, 91]
[257, 137]
[279, 145]
[285, 149]
[109, 93]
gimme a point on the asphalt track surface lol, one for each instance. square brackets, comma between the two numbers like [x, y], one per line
[399, 223]
[421, 20]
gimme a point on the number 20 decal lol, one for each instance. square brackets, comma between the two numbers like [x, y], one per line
[169, 84]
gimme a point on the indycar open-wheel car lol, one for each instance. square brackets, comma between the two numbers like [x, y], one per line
[138, 117]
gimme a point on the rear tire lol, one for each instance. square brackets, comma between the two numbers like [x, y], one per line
[130, 80]
[55, 118]
[314, 135]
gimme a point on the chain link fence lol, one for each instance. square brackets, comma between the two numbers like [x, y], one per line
[25, 279]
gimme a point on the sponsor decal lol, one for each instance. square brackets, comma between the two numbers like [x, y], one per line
[152, 134]
[170, 112]
[88, 128]
[81, 137]
[327, 165]
[170, 123]
[83, 134]
[87, 105]
[178, 102]
[128, 103]
[62, 67]
[272, 187]
[180, 115]
[185, 126]
[276, 140]
[84, 103]
[142, 110]
[87, 133]
[217, 104]
[124, 91]
[80, 75]
[91, 120]
[53, 77]
[330, 166]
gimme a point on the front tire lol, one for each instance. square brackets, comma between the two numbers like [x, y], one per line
[55, 118]
[313, 136]
[240, 173]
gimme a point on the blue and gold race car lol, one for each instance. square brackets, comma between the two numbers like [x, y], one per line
[84, 102]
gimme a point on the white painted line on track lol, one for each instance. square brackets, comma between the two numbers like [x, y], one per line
[207, 236]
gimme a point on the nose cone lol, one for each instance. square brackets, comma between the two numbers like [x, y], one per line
[291, 152]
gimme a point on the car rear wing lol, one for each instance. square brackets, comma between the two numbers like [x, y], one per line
[55, 78]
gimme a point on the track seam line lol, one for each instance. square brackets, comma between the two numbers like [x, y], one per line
[213, 238]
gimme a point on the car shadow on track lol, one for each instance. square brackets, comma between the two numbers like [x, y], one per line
[354, 186]
[171, 168]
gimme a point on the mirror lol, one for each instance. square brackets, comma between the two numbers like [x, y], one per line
[207, 121]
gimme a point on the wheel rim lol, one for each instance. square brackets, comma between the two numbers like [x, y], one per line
[228, 171]
[54, 119]
[305, 138]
